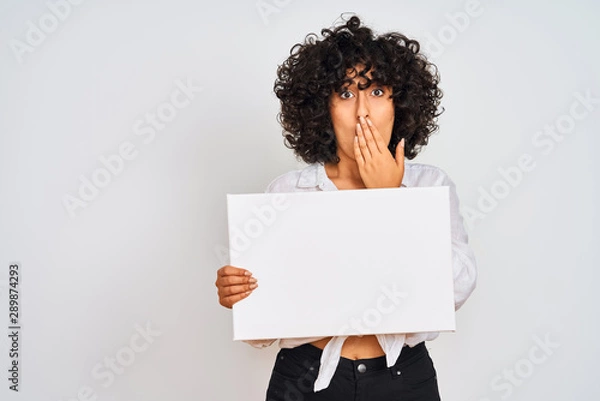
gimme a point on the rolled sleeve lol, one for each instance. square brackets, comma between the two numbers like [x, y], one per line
[259, 343]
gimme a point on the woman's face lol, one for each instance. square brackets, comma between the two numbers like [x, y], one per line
[351, 103]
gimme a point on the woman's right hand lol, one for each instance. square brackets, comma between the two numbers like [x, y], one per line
[234, 284]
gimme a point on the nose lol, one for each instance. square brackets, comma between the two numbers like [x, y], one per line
[362, 105]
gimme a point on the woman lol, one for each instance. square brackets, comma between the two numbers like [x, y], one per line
[353, 106]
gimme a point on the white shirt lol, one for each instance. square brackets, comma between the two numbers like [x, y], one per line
[314, 178]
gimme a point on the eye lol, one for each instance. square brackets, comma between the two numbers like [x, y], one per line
[378, 92]
[346, 94]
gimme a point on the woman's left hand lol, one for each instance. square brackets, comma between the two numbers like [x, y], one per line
[377, 167]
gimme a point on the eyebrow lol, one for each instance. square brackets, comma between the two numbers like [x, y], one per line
[345, 85]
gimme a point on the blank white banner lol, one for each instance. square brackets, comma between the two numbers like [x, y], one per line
[346, 262]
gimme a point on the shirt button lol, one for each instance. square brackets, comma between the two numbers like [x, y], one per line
[361, 368]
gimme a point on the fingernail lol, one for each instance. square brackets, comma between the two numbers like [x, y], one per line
[402, 142]
[252, 280]
[247, 273]
[253, 286]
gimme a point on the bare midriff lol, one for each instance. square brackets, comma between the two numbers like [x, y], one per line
[356, 347]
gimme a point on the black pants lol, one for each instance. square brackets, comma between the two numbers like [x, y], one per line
[413, 377]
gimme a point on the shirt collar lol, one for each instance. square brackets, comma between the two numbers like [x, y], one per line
[313, 175]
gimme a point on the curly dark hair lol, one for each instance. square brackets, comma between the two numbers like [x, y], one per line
[317, 68]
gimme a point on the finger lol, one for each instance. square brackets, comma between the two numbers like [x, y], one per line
[236, 289]
[371, 144]
[227, 281]
[381, 146]
[400, 153]
[228, 302]
[357, 153]
[362, 143]
[229, 270]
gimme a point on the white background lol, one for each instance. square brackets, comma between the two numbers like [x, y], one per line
[144, 248]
